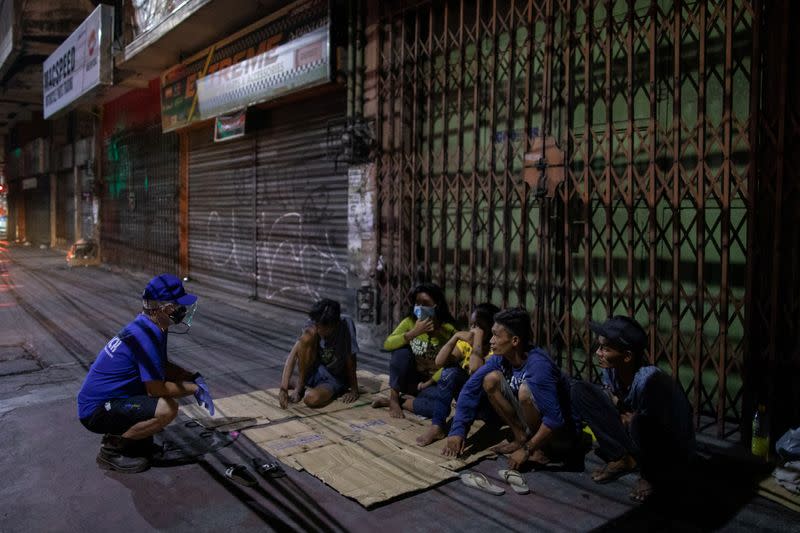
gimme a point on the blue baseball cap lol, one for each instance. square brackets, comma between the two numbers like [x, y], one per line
[168, 288]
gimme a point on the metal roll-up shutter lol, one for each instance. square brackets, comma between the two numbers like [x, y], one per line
[65, 207]
[37, 213]
[140, 202]
[221, 211]
[302, 205]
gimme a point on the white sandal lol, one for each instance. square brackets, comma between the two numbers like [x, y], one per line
[515, 479]
[478, 481]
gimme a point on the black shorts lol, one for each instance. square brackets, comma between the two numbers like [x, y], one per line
[120, 414]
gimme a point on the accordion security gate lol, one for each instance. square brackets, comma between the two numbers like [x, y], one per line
[139, 227]
[651, 103]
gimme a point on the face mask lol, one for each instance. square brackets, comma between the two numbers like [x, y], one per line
[183, 315]
[422, 312]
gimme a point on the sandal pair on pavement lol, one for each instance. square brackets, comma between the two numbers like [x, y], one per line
[478, 481]
[241, 474]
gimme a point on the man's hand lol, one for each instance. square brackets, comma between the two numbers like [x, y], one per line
[203, 395]
[453, 446]
[283, 398]
[518, 458]
[350, 396]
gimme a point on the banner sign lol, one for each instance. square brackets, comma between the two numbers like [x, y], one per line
[81, 63]
[301, 63]
[7, 30]
[179, 102]
[230, 126]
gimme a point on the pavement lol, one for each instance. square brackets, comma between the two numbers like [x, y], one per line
[53, 321]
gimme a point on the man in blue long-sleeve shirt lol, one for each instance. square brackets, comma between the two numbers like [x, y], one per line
[524, 388]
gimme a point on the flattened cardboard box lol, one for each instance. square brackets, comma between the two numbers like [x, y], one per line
[288, 439]
[372, 471]
[259, 405]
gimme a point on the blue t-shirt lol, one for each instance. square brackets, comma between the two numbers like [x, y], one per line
[137, 354]
[548, 385]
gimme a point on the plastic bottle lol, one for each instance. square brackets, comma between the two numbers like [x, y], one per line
[759, 444]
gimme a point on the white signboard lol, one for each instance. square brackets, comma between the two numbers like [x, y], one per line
[303, 62]
[81, 63]
[6, 30]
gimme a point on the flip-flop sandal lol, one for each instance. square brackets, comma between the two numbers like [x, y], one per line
[515, 479]
[241, 475]
[268, 469]
[478, 481]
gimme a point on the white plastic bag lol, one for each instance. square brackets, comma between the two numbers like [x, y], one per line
[788, 446]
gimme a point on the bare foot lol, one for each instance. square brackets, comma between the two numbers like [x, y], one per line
[432, 434]
[507, 447]
[539, 457]
[380, 401]
[395, 411]
[642, 491]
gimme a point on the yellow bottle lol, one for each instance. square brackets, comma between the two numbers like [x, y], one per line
[759, 444]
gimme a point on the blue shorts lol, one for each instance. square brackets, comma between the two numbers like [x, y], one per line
[321, 377]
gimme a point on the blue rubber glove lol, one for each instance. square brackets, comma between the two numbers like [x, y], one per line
[203, 395]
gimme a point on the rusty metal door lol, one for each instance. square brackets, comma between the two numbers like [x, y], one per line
[650, 101]
[139, 226]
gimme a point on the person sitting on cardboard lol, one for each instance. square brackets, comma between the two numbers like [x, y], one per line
[639, 415]
[525, 389]
[325, 355]
[459, 357]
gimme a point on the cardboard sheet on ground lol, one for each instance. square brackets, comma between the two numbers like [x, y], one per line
[259, 405]
[357, 424]
[370, 383]
[373, 471]
[288, 439]
[772, 490]
[321, 444]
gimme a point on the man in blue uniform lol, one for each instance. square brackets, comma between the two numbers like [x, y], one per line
[131, 389]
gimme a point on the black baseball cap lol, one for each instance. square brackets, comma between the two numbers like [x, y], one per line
[622, 332]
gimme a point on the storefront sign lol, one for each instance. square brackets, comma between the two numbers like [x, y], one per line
[7, 30]
[301, 63]
[179, 102]
[81, 63]
[230, 126]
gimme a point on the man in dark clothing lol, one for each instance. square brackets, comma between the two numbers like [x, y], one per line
[131, 389]
[325, 355]
[639, 415]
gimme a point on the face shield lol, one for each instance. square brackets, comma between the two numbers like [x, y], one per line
[181, 318]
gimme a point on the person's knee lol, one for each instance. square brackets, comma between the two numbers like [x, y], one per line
[166, 410]
[314, 398]
[579, 391]
[492, 381]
